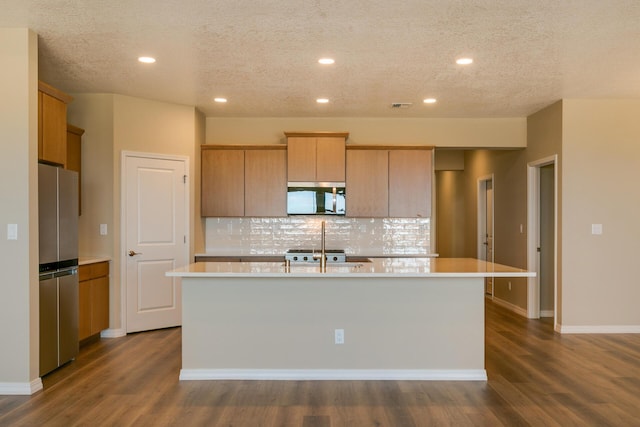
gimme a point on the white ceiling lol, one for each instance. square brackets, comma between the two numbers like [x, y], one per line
[262, 54]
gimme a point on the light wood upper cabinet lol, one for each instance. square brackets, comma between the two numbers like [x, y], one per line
[389, 181]
[313, 156]
[410, 183]
[367, 184]
[301, 159]
[243, 180]
[222, 182]
[52, 124]
[74, 157]
[265, 190]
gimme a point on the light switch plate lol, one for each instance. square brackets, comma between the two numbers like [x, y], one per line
[12, 231]
[596, 229]
[103, 229]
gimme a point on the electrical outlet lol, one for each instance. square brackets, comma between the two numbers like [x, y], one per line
[103, 229]
[339, 336]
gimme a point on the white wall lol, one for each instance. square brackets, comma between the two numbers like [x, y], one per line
[19, 330]
[117, 123]
[601, 172]
[94, 114]
[507, 132]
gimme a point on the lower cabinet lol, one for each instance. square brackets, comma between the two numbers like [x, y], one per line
[94, 299]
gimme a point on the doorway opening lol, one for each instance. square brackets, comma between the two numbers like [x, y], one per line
[485, 226]
[542, 246]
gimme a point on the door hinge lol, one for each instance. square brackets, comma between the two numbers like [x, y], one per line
[184, 179]
[184, 239]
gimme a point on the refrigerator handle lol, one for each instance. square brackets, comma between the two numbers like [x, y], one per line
[67, 272]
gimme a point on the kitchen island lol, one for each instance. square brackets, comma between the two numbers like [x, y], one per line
[398, 318]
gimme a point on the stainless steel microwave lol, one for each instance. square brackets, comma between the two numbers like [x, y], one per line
[316, 198]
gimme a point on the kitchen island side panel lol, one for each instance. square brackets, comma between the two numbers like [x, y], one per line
[275, 323]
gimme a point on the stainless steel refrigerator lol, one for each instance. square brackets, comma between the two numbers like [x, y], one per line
[58, 235]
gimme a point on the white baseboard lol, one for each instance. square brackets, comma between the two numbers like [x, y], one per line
[599, 329]
[519, 310]
[335, 374]
[113, 333]
[21, 388]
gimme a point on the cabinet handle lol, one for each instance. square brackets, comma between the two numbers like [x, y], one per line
[132, 253]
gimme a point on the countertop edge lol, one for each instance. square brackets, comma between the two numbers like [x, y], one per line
[92, 260]
[345, 274]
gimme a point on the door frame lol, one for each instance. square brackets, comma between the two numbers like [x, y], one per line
[123, 223]
[533, 236]
[481, 218]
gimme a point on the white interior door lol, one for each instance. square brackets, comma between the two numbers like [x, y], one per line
[155, 239]
[546, 247]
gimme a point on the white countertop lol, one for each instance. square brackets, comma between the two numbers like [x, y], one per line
[83, 260]
[240, 253]
[378, 267]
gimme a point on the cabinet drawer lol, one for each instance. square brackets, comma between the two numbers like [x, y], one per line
[92, 271]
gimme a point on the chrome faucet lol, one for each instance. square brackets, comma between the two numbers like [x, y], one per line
[323, 253]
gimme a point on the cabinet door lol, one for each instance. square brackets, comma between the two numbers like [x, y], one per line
[74, 157]
[84, 309]
[53, 136]
[265, 190]
[367, 183]
[410, 183]
[222, 179]
[330, 159]
[99, 304]
[301, 159]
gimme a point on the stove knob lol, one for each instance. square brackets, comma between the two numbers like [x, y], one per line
[306, 258]
[295, 258]
[335, 258]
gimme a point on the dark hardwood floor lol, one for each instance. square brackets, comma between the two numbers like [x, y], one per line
[536, 377]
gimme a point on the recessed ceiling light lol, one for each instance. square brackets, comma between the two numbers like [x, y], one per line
[464, 61]
[147, 59]
[430, 101]
[322, 101]
[326, 61]
[221, 100]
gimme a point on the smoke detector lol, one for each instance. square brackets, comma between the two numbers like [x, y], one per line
[401, 104]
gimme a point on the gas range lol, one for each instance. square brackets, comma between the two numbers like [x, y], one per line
[306, 255]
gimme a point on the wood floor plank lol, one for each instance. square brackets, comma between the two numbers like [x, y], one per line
[536, 377]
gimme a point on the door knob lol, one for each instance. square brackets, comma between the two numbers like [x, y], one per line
[132, 253]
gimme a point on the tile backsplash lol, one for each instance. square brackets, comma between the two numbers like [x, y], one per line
[357, 236]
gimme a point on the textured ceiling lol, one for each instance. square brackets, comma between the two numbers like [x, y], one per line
[262, 55]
